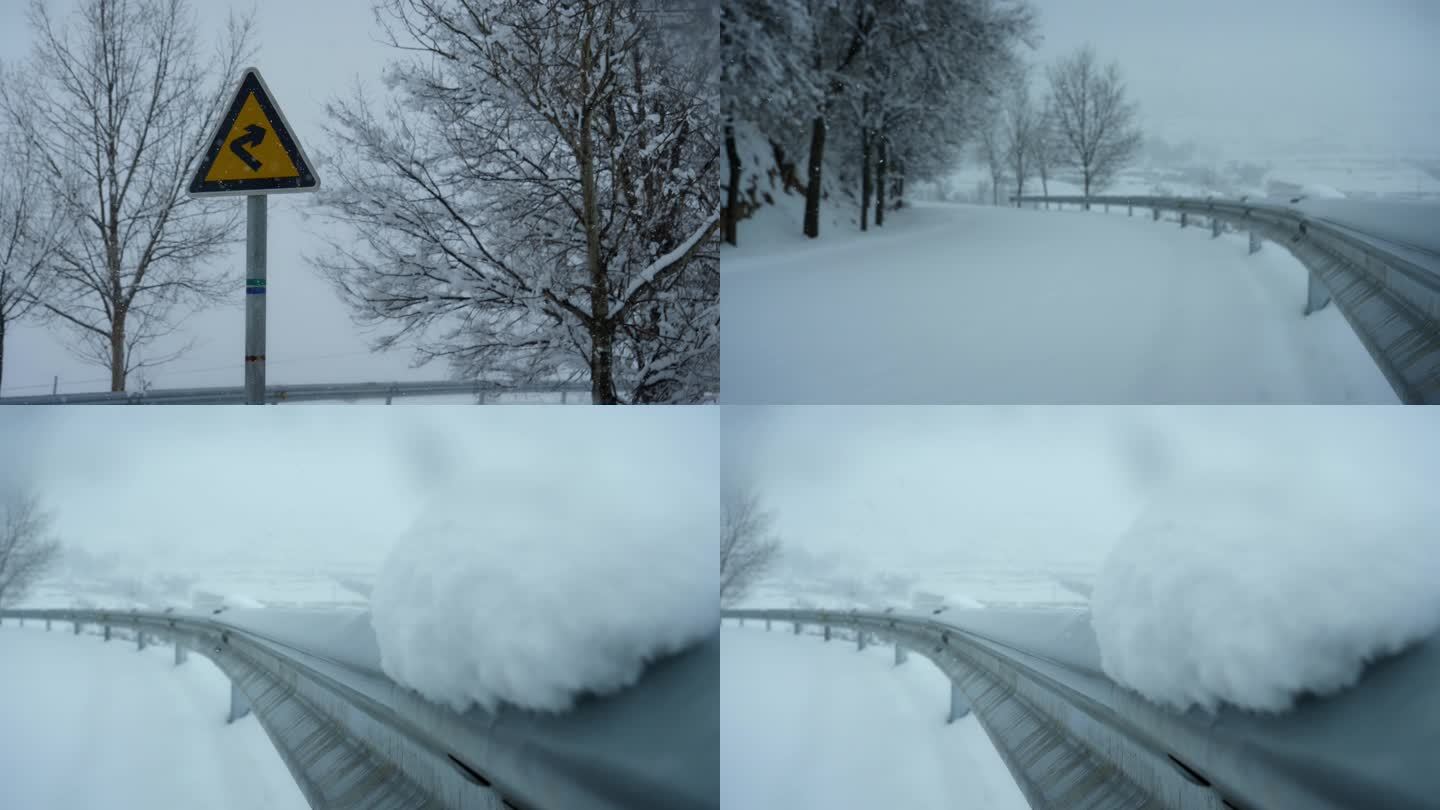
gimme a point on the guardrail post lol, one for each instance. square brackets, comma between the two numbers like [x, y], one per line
[239, 704]
[107, 632]
[1184, 219]
[827, 632]
[1129, 210]
[564, 397]
[77, 627]
[1254, 243]
[959, 706]
[797, 628]
[139, 639]
[1155, 214]
[47, 625]
[180, 653]
[1316, 295]
[900, 655]
[1214, 227]
[767, 624]
[859, 640]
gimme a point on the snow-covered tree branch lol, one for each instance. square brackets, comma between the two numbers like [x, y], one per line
[1094, 121]
[120, 99]
[27, 548]
[538, 199]
[748, 547]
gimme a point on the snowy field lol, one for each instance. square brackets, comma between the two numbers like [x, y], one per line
[899, 587]
[809, 724]
[85, 724]
[956, 303]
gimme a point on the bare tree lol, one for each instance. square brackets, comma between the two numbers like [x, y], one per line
[119, 104]
[541, 199]
[32, 225]
[992, 151]
[1094, 120]
[1047, 147]
[748, 549]
[27, 548]
[1019, 125]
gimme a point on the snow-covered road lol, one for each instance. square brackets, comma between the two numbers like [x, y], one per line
[957, 303]
[804, 723]
[86, 724]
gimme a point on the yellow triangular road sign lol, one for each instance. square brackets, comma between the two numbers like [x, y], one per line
[253, 151]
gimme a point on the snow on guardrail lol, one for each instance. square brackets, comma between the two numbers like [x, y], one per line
[1072, 737]
[351, 738]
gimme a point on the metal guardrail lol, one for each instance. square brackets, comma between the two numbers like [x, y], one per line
[297, 393]
[353, 738]
[1384, 279]
[1073, 738]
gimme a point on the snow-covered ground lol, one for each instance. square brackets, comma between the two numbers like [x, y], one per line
[1250, 589]
[85, 724]
[958, 303]
[806, 724]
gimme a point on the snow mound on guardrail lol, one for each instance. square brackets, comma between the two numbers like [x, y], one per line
[525, 602]
[1253, 589]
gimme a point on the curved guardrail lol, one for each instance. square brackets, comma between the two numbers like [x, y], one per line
[1380, 262]
[274, 394]
[353, 738]
[1073, 738]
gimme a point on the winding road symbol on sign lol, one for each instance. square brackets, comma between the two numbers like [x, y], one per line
[253, 136]
[253, 150]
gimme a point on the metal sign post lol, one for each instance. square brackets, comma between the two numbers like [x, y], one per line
[255, 228]
[254, 154]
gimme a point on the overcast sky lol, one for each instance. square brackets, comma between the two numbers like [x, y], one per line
[1357, 73]
[1033, 485]
[308, 52]
[301, 486]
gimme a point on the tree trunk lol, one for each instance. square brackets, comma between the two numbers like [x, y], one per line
[812, 188]
[1019, 190]
[117, 351]
[602, 364]
[1087, 191]
[866, 190]
[899, 186]
[732, 195]
[602, 330]
[2, 350]
[880, 166]
[1045, 187]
